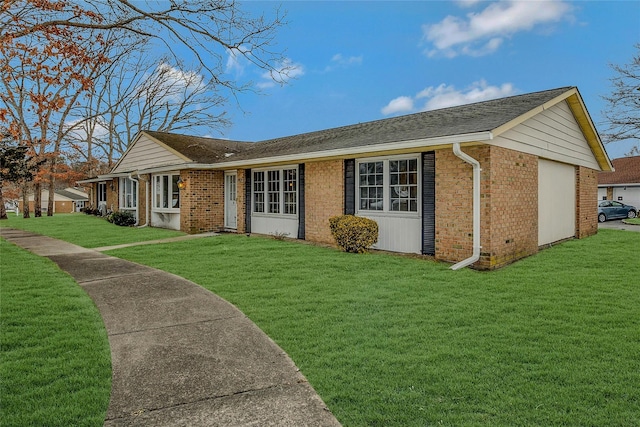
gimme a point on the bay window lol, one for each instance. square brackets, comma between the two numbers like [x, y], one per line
[275, 191]
[166, 194]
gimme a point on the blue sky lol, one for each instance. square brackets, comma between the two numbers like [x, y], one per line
[359, 61]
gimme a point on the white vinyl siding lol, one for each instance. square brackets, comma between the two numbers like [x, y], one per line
[556, 201]
[147, 153]
[553, 134]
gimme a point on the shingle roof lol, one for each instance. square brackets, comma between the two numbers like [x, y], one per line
[464, 119]
[199, 149]
[627, 171]
[460, 120]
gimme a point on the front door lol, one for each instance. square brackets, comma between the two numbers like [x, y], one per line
[230, 205]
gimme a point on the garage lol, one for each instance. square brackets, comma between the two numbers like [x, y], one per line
[556, 201]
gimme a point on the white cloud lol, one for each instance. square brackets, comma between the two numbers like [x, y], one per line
[444, 96]
[401, 104]
[174, 77]
[340, 61]
[236, 62]
[284, 72]
[482, 33]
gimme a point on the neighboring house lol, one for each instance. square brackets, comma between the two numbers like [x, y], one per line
[65, 201]
[623, 185]
[534, 183]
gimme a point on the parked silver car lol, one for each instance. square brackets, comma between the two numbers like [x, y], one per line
[610, 209]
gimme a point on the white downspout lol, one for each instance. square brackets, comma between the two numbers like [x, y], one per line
[476, 207]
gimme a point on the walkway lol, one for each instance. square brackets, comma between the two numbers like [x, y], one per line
[182, 356]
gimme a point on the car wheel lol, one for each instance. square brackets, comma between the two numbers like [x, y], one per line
[602, 218]
[631, 214]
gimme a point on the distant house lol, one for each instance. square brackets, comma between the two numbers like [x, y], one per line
[623, 184]
[65, 201]
[482, 184]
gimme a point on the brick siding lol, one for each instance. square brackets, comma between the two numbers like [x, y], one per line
[324, 198]
[202, 201]
[586, 202]
[241, 200]
[508, 206]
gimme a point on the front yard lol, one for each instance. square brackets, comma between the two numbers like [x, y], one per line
[394, 341]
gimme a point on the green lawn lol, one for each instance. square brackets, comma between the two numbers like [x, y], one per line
[55, 363]
[393, 341]
[86, 230]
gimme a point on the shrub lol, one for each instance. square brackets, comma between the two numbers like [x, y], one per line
[353, 233]
[123, 218]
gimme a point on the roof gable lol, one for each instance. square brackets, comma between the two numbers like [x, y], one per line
[627, 171]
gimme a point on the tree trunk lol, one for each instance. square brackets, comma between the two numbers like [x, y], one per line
[52, 195]
[37, 200]
[3, 212]
[25, 201]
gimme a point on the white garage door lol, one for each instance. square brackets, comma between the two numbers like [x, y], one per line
[627, 195]
[556, 201]
[602, 193]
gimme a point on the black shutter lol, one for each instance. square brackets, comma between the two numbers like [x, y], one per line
[350, 186]
[301, 201]
[247, 200]
[429, 203]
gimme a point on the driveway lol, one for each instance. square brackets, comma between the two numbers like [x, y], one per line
[618, 225]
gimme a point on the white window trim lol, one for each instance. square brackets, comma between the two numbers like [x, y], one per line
[154, 193]
[281, 214]
[386, 197]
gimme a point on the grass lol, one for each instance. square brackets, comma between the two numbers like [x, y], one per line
[634, 221]
[55, 365]
[394, 341]
[86, 230]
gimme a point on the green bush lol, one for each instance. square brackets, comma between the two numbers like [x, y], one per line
[353, 233]
[122, 218]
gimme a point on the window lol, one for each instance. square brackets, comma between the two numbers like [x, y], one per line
[128, 193]
[290, 190]
[258, 191]
[102, 193]
[403, 185]
[388, 185]
[166, 192]
[275, 191]
[371, 186]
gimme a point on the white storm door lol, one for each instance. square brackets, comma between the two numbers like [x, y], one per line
[230, 205]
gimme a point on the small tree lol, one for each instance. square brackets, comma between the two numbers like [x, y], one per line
[622, 115]
[17, 167]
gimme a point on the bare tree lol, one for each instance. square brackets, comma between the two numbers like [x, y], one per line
[208, 29]
[146, 94]
[622, 115]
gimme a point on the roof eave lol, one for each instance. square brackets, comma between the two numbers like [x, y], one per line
[335, 153]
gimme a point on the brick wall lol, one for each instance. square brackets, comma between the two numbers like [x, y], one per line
[454, 206]
[324, 198]
[113, 198]
[586, 202]
[241, 200]
[202, 201]
[142, 198]
[508, 206]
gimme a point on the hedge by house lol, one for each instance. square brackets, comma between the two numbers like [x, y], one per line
[353, 233]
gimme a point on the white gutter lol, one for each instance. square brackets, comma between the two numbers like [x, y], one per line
[476, 208]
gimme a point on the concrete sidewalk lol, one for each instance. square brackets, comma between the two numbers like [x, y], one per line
[182, 356]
